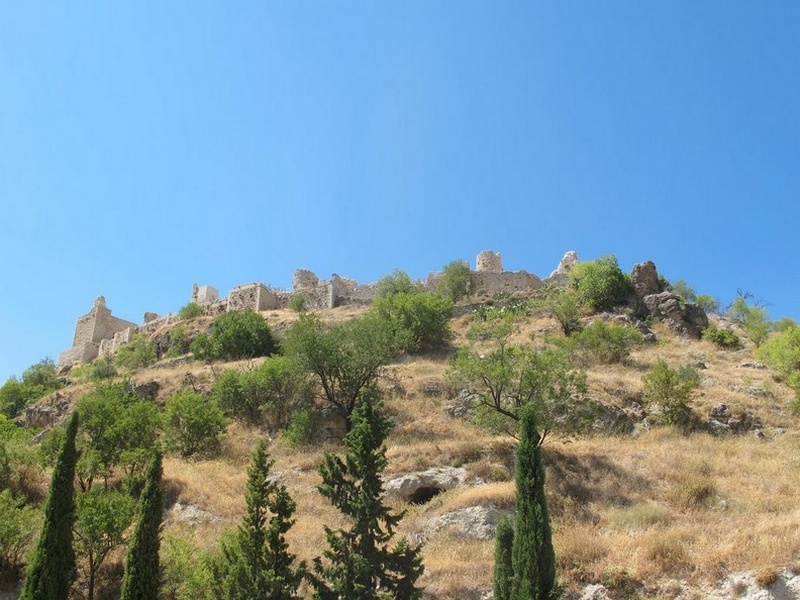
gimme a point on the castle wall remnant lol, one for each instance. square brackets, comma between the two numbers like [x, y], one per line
[489, 261]
[255, 296]
[204, 294]
[90, 330]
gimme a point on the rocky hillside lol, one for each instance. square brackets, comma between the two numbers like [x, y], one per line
[640, 509]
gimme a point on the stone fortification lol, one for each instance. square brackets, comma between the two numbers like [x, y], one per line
[99, 334]
[90, 330]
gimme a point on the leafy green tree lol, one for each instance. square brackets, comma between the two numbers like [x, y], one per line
[503, 575]
[600, 283]
[51, 569]
[752, 318]
[190, 311]
[708, 303]
[670, 390]
[179, 341]
[359, 564]
[102, 518]
[193, 423]
[185, 574]
[397, 283]
[17, 527]
[237, 334]
[419, 321]
[532, 556]
[507, 378]
[344, 358]
[257, 563]
[37, 381]
[275, 390]
[455, 280]
[142, 569]
[684, 290]
[565, 306]
[138, 353]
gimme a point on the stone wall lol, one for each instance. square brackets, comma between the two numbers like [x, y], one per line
[90, 330]
[488, 283]
[489, 261]
[254, 296]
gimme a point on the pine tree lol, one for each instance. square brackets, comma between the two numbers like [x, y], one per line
[142, 570]
[257, 564]
[359, 564]
[533, 559]
[503, 571]
[52, 568]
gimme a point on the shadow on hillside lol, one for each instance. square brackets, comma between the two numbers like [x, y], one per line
[574, 483]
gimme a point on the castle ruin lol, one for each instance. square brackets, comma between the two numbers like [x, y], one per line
[99, 334]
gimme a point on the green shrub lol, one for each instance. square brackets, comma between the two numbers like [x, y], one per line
[420, 321]
[454, 281]
[138, 353]
[600, 283]
[235, 335]
[190, 311]
[179, 341]
[565, 306]
[724, 338]
[782, 351]
[302, 430]
[670, 390]
[604, 343]
[102, 369]
[682, 289]
[753, 319]
[193, 423]
[709, 304]
[397, 283]
[18, 524]
[37, 381]
[298, 303]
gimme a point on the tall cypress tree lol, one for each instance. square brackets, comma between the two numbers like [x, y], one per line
[142, 571]
[52, 569]
[503, 571]
[359, 564]
[532, 557]
[257, 564]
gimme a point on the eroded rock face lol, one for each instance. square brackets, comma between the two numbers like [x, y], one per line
[685, 319]
[477, 522]
[644, 279]
[422, 486]
[569, 260]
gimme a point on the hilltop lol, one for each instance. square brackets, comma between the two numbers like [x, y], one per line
[645, 502]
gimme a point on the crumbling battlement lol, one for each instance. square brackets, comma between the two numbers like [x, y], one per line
[99, 334]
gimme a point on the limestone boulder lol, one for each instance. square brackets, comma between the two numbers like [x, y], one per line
[686, 319]
[478, 522]
[644, 279]
[420, 487]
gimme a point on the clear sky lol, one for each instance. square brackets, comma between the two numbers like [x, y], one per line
[145, 146]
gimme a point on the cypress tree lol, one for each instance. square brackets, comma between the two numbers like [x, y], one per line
[533, 559]
[142, 571]
[52, 569]
[503, 572]
[258, 564]
[359, 563]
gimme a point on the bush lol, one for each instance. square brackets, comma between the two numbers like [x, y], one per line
[605, 343]
[298, 303]
[565, 306]
[397, 283]
[724, 338]
[179, 341]
[37, 380]
[191, 311]
[420, 321]
[600, 283]
[752, 318]
[235, 335]
[193, 424]
[670, 390]
[18, 524]
[709, 304]
[302, 430]
[137, 353]
[454, 281]
[782, 351]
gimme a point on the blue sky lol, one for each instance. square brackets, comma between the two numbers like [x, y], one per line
[146, 146]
